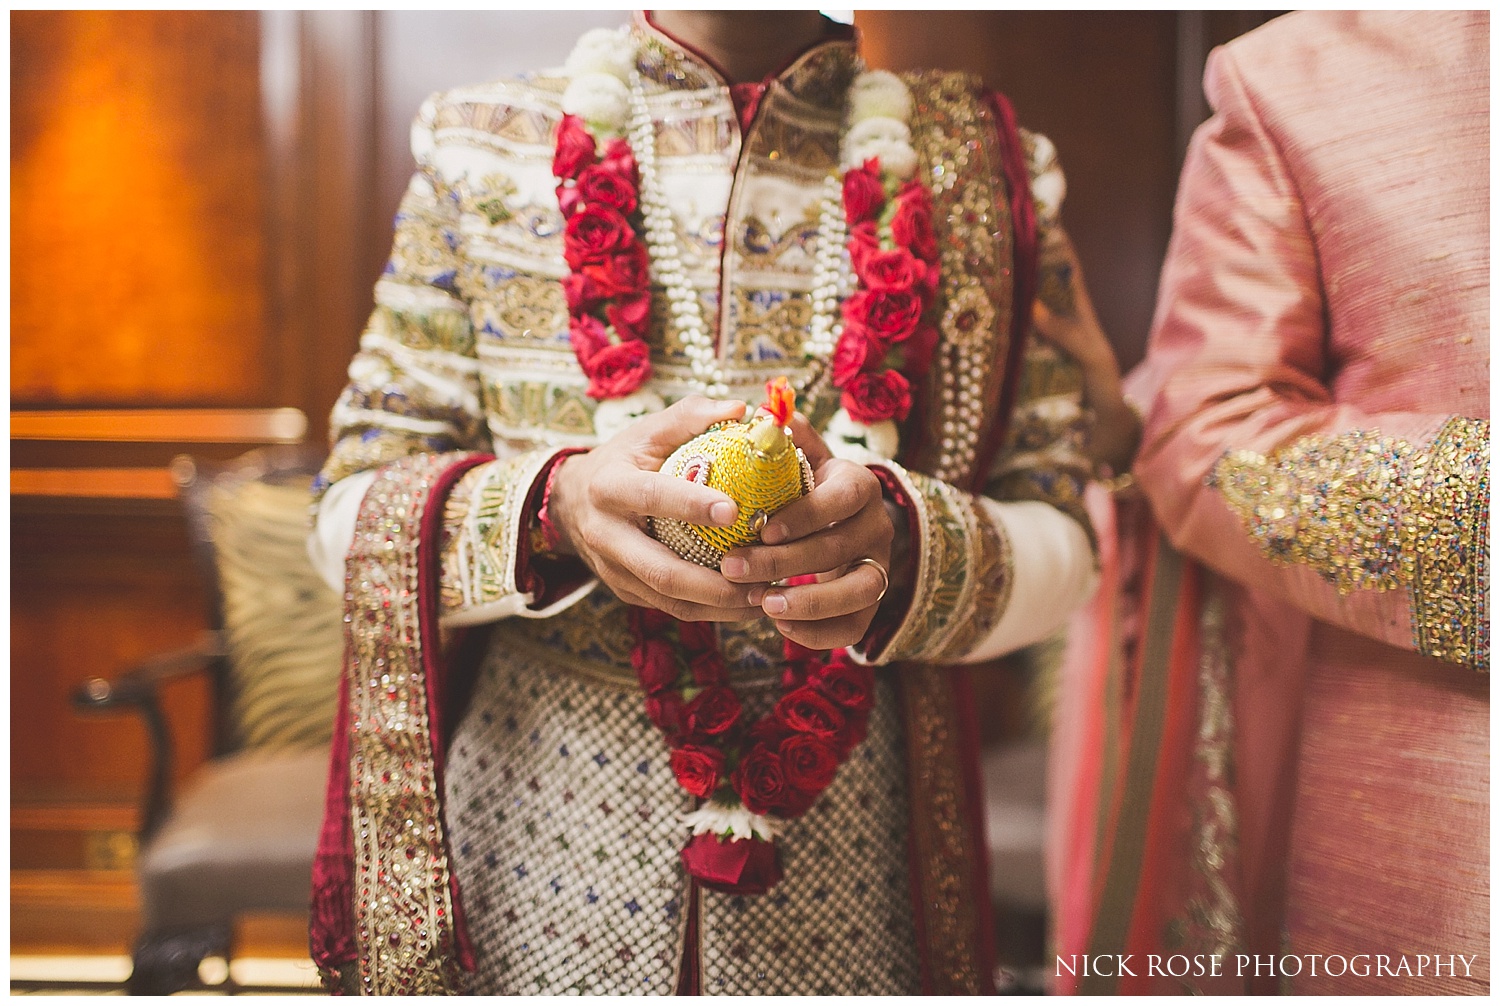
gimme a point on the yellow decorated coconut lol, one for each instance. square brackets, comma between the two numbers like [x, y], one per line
[754, 462]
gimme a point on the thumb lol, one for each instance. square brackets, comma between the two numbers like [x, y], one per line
[811, 442]
[658, 435]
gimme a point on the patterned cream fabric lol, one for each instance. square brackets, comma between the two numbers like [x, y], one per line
[563, 817]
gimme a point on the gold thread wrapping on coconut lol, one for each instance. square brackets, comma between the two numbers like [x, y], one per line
[755, 463]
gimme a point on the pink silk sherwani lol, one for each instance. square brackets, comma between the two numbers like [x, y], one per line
[1306, 757]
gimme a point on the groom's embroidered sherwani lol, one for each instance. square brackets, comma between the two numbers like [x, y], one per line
[531, 832]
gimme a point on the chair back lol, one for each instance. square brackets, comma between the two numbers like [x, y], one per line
[280, 625]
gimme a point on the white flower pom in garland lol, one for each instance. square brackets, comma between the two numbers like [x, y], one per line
[613, 415]
[886, 138]
[848, 439]
[880, 107]
[601, 50]
[735, 822]
[879, 94]
[1048, 186]
[601, 100]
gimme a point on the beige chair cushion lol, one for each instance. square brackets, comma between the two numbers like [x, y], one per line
[241, 837]
[283, 626]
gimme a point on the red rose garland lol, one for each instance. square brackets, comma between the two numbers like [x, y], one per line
[608, 286]
[777, 766]
[886, 339]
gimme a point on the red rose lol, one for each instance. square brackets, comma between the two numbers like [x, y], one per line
[569, 199]
[708, 669]
[848, 684]
[916, 352]
[809, 762]
[619, 160]
[575, 148]
[808, 711]
[855, 352]
[599, 186]
[581, 292]
[655, 665]
[795, 802]
[666, 711]
[593, 234]
[713, 712]
[629, 314]
[870, 398]
[864, 241]
[897, 270]
[615, 371]
[733, 866]
[766, 731]
[794, 650]
[759, 780]
[624, 272]
[697, 636]
[911, 227]
[888, 315]
[852, 735]
[588, 336]
[864, 195]
[799, 662]
[697, 768]
[650, 621]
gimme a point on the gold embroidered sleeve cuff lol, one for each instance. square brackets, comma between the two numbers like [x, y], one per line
[990, 577]
[485, 519]
[1372, 514]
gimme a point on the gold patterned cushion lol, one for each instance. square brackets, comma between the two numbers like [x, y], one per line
[283, 626]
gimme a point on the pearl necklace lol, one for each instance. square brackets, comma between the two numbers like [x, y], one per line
[830, 268]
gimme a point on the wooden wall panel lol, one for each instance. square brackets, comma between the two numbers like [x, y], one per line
[318, 76]
[93, 592]
[137, 245]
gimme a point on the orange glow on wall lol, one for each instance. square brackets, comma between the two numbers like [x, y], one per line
[137, 209]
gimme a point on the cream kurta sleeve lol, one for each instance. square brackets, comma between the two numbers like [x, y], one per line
[413, 388]
[1267, 454]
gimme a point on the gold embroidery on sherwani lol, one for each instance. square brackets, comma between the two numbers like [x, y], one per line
[403, 913]
[1370, 512]
[942, 839]
[482, 520]
[399, 400]
[991, 575]
[963, 575]
[954, 133]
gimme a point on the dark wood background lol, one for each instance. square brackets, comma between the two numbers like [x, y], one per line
[200, 204]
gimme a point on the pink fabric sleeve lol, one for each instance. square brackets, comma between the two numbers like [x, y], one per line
[1242, 429]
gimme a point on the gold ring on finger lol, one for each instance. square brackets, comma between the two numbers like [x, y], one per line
[885, 578]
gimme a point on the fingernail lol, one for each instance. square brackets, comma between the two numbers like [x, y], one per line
[773, 534]
[735, 567]
[774, 604]
[723, 513]
[755, 595]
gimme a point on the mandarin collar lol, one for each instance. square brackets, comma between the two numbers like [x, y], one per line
[822, 71]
